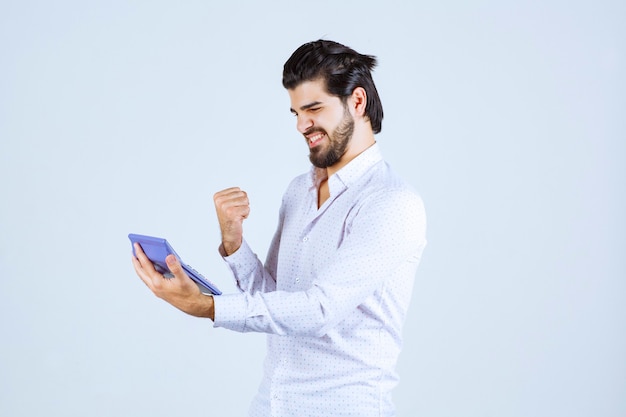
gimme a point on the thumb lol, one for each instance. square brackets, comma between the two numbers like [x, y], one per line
[174, 265]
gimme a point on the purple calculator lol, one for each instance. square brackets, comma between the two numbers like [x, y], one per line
[157, 249]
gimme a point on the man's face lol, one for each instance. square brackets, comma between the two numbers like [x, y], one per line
[324, 120]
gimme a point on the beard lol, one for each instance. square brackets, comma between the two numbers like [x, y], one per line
[338, 142]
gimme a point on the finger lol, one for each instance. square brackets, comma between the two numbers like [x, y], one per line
[145, 268]
[142, 273]
[181, 279]
[221, 196]
[145, 263]
[226, 192]
[173, 264]
[233, 207]
[230, 197]
[245, 211]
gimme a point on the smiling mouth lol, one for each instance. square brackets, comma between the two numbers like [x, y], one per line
[315, 139]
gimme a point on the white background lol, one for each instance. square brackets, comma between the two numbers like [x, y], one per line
[126, 116]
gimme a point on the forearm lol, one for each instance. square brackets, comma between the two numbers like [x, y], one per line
[201, 306]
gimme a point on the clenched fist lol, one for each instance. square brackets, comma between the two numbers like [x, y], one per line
[232, 206]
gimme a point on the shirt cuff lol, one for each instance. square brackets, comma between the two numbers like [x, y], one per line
[242, 262]
[230, 311]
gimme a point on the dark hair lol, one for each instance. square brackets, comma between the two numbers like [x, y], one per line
[342, 68]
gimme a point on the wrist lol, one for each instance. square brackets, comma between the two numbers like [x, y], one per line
[230, 247]
[211, 308]
[207, 308]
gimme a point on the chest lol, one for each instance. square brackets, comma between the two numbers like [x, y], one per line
[311, 237]
[323, 194]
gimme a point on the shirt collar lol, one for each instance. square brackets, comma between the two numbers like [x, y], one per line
[359, 165]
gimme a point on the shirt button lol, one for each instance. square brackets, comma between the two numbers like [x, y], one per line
[305, 239]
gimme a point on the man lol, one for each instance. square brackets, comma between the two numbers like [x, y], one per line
[335, 288]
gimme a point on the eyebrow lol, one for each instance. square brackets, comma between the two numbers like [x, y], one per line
[307, 106]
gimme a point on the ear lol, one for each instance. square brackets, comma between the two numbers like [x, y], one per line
[359, 101]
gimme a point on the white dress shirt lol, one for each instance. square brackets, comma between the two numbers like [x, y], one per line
[333, 293]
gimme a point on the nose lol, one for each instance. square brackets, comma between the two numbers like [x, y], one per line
[303, 123]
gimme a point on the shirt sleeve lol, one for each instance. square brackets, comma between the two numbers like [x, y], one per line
[386, 233]
[249, 272]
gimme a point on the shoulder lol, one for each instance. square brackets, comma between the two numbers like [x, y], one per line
[384, 196]
[298, 183]
[385, 186]
[387, 206]
[297, 187]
